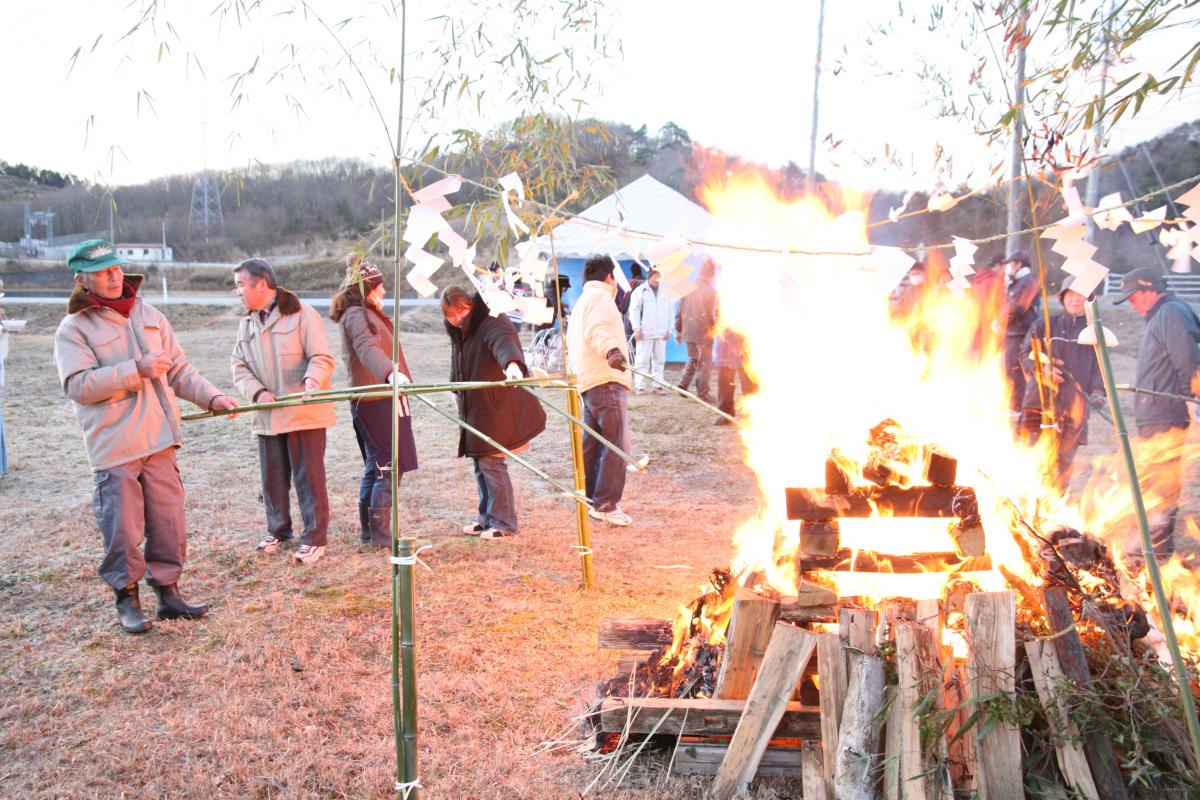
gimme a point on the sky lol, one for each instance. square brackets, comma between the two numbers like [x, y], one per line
[739, 79]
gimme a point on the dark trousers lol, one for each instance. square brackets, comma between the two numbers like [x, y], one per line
[497, 504]
[1162, 482]
[699, 365]
[1012, 369]
[375, 488]
[296, 457]
[139, 508]
[726, 376]
[606, 409]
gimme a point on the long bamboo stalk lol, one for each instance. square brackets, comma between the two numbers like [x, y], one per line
[501, 448]
[406, 580]
[1160, 594]
[408, 388]
[583, 527]
[684, 393]
[638, 463]
[1124, 387]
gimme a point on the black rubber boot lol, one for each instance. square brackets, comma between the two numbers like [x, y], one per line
[364, 522]
[1162, 537]
[381, 527]
[172, 606]
[129, 610]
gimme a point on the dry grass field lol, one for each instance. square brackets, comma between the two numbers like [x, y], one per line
[282, 691]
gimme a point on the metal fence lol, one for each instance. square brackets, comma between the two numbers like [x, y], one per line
[1182, 285]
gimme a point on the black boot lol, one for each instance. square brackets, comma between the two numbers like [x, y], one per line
[172, 606]
[364, 522]
[129, 610]
[381, 527]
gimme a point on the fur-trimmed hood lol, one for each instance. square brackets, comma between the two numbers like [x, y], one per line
[78, 301]
[285, 301]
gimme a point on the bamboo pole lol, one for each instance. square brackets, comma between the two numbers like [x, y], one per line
[638, 463]
[1139, 506]
[404, 564]
[1186, 398]
[412, 388]
[578, 498]
[683, 393]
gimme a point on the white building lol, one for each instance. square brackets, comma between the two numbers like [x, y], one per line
[145, 252]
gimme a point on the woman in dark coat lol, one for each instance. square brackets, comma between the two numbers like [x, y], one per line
[487, 348]
[367, 351]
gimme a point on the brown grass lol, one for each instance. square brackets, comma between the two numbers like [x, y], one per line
[283, 690]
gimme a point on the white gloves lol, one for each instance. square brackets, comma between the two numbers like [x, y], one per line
[398, 377]
[513, 372]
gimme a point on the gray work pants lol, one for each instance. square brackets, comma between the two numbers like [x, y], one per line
[295, 457]
[139, 508]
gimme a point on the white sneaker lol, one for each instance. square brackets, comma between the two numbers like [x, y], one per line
[269, 545]
[474, 529]
[615, 517]
[308, 554]
[495, 533]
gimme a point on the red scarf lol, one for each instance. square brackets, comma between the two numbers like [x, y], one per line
[123, 305]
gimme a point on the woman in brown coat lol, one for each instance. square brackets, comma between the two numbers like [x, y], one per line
[367, 350]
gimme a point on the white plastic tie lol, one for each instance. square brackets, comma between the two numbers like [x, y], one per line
[407, 788]
[408, 561]
[583, 551]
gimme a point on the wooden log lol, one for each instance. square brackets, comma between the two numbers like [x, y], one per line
[960, 753]
[700, 717]
[856, 628]
[847, 560]
[892, 744]
[1048, 679]
[634, 633]
[929, 614]
[969, 539]
[750, 626]
[922, 773]
[791, 611]
[628, 663]
[810, 593]
[1101, 757]
[812, 773]
[816, 505]
[787, 656]
[837, 481]
[856, 768]
[831, 667]
[704, 758]
[940, 469]
[991, 625]
[820, 538]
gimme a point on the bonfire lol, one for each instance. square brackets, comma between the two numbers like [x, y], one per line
[918, 608]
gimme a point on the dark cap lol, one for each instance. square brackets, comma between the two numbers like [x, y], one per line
[1141, 279]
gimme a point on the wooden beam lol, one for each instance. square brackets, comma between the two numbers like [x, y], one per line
[787, 656]
[792, 611]
[749, 632]
[1048, 679]
[704, 758]
[892, 745]
[856, 628]
[969, 539]
[919, 674]
[820, 538]
[809, 593]
[634, 633]
[831, 668]
[991, 626]
[847, 560]
[857, 766]
[816, 505]
[700, 717]
[1071, 657]
[812, 774]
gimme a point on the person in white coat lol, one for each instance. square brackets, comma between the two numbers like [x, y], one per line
[651, 318]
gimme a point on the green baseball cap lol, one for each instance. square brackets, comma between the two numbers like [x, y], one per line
[93, 256]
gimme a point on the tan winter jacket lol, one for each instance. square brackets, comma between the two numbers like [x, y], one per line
[124, 416]
[277, 355]
[596, 328]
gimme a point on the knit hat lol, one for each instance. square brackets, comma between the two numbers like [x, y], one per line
[358, 269]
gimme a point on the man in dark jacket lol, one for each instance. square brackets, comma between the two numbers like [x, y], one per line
[1021, 307]
[1168, 361]
[487, 348]
[1065, 375]
[695, 321]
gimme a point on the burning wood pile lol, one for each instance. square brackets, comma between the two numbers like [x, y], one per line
[991, 693]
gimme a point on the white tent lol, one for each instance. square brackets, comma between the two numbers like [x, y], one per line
[629, 223]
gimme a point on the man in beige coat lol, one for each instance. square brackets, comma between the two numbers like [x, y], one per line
[281, 349]
[121, 365]
[598, 352]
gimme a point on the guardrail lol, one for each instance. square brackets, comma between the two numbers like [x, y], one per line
[1182, 285]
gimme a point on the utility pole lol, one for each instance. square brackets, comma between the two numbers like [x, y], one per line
[1016, 167]
[812, 139]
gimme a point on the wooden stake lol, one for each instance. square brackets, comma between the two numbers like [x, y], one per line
[1069, 647]
[749, 632]
[856, 769]
[856, 627]
[892, 745]
[831, 667]
[1048, 678]
[812, 773]
[919, 673]
[991, 625]
[787, 656]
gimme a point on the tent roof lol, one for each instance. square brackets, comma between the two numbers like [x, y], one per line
[646, 206]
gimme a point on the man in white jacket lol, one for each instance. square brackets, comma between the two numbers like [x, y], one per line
[597, 353]
[651, 318]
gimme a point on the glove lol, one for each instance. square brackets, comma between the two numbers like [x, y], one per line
[513, 372]
[616, 359]
[398, 377]
[1097, 401]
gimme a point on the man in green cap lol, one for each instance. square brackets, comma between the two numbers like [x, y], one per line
[119, 361]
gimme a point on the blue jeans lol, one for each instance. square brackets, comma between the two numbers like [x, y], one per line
[606, 409]
[497, 505]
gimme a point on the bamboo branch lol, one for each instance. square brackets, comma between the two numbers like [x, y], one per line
[1187, 398]
[683, 393]
[638, 463]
